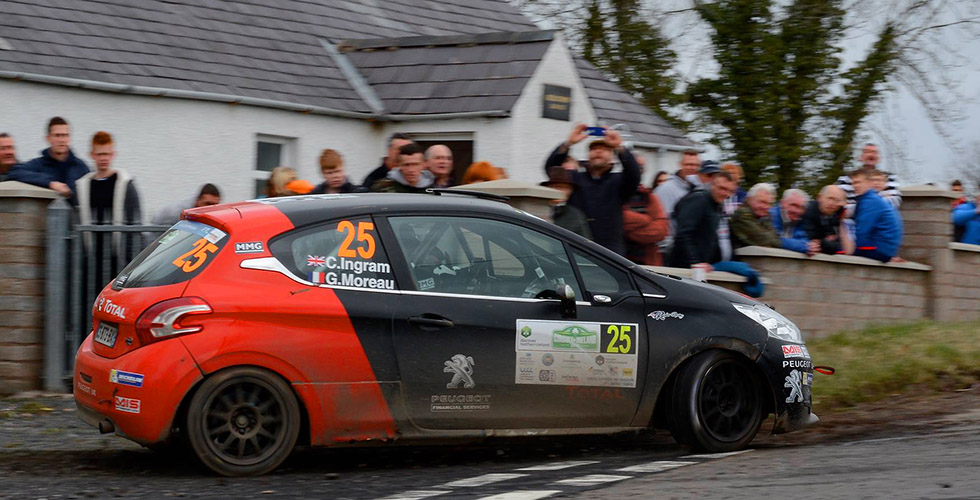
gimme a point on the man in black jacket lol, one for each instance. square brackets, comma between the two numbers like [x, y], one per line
[601, 193]
[395, 142]
[823, 222]
[696, 241]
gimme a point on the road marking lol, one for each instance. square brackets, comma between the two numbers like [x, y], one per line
[559, 465]
[482, 480]
[523, 495]
[415, 495]
[658, 466]
[592, 479]
[711, 456]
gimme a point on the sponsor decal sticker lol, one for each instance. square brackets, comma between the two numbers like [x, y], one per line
[86, 389]
[794, 382]
[461, 366]
[126, 378]
[249, 247]
[107, 306]
[595, 393]
[459, 402]
[316, 260]
[426, 284]
[797, 363]
[795, 351]
[577, 353]
[663, 315]
[128, 405]
[807, 379]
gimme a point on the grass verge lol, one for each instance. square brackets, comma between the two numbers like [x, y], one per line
[879, 362]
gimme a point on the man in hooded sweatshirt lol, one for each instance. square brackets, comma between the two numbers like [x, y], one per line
[57, 168]
[410, 176]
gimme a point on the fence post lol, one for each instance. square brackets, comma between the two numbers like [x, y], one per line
[56, 294]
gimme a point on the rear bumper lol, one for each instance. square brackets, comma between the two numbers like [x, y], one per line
[138, 408]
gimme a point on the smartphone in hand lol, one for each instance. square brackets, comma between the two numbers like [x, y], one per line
[596, 131]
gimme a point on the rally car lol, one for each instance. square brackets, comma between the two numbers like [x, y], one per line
[334, 320]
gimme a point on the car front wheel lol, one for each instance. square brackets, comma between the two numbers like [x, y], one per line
[243, 421]
[717, 403]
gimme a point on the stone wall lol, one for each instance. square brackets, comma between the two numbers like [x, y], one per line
[22, 255]
[826, 294]
[957, 289]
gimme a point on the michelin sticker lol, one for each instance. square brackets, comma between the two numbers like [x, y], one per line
[576, 353]
[126, 378]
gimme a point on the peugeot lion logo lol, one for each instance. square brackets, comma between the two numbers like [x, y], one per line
[461, 366]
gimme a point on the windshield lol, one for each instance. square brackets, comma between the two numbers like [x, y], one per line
[176, 256]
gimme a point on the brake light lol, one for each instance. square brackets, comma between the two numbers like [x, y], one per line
[166, 319]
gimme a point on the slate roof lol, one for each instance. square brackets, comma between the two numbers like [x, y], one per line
[249, 48]
[422, 75]
[614, 105]
[417, 56]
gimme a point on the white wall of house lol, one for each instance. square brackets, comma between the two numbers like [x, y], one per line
[173, 146]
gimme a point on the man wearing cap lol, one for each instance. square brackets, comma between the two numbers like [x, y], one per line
[563, 214]
[599, 192]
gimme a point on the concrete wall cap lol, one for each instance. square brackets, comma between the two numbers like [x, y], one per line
[928, 191]
[966, 247]
[834, 259]
[511, 187]
[17, 189]
[711, 276]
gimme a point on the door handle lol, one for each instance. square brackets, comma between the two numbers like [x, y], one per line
[430, 321]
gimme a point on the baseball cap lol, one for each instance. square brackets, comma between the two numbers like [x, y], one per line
[709, 167]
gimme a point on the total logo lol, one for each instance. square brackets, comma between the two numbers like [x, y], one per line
[128, 405]
[108, 307]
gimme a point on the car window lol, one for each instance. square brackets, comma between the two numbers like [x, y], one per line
[176, 256]
[476, 256]
[346, 253]
[600, 277]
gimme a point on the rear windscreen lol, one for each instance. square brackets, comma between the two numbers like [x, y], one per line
[177, 255]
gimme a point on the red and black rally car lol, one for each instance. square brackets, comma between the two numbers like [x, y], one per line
[334, 320]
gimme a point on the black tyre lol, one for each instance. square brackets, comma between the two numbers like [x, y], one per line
[243, 422]
[717, 403]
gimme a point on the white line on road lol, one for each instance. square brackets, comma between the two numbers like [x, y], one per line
[415, 495]
[658, 466]
[482, 480]
[592, 480]
[523, 495]
[559, 465]
[712, 456]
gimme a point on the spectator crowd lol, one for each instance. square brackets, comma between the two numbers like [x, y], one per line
[695, 217]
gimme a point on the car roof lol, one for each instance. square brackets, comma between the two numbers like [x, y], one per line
[311, 209]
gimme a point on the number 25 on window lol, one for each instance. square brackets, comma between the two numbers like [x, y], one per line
[345, 250]
[202, 249]
[621, 342]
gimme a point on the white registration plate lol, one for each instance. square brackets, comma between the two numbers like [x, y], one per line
[106, 334]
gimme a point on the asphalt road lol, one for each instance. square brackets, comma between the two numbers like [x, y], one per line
[49, 454]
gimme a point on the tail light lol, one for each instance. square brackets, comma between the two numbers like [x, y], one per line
[169, 318]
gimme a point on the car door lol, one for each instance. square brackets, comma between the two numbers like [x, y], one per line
[475, 341]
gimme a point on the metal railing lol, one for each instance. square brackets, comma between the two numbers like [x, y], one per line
[80, 261]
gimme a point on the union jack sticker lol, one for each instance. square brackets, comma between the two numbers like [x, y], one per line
[316, 260]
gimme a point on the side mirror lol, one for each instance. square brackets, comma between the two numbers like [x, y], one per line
[567, 296]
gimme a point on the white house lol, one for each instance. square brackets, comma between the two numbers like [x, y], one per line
[222, 92]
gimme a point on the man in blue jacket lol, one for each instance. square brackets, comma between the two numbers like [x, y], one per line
[57, 168]
[787, 220]
[877, 224]
[600, 193]
[967, 215]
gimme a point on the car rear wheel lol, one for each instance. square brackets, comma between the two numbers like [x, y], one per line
[717, 403]
[243, 421]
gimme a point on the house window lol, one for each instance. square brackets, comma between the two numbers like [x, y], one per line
[271, 151]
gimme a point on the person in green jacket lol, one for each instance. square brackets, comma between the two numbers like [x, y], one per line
[751, 225]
